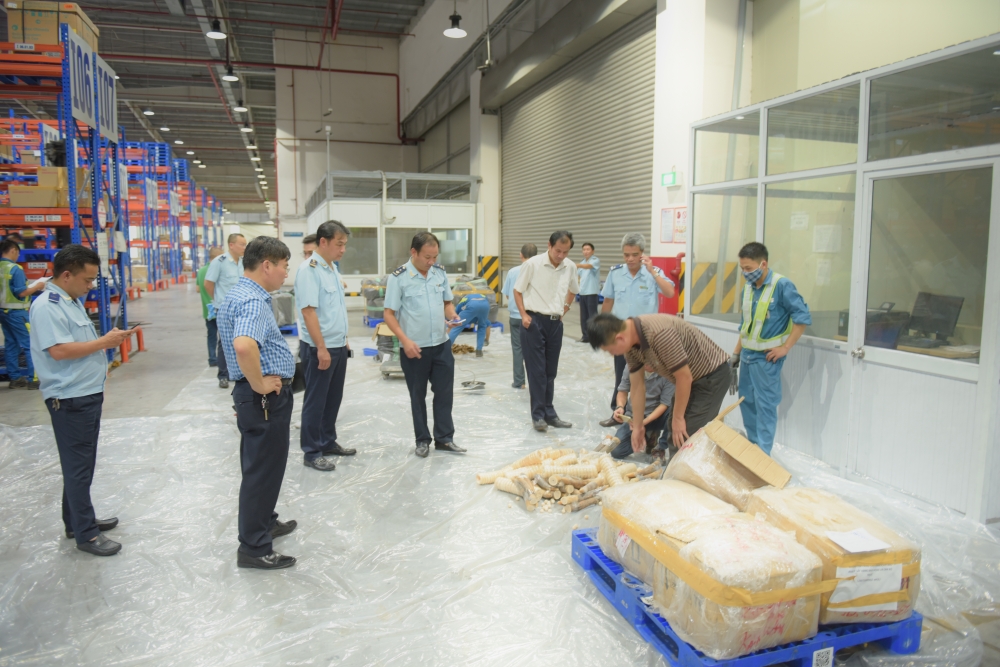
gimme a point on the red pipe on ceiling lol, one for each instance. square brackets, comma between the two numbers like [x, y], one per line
[222, 98]
[336, 20]
[245, 20]
[243, 63]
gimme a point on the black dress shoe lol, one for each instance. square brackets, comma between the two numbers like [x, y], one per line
[337, 450]
[540, 425]
[100, 546]
[558, 423]
[449, 447]
[423, 449]
[102, 525]
[282, 528]
[609, 422]
[320, 463]
[272, 561]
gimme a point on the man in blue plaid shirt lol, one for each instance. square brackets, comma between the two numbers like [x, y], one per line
[263, 373]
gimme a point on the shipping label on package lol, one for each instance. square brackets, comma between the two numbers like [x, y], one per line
[622, 542]
[868, 580]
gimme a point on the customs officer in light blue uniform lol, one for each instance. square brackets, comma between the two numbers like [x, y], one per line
[589, 274]
[528, 250]
[774, 318]
[223, 273]
[632, 289]
[319, 300]
[419, 310]
[72, 366]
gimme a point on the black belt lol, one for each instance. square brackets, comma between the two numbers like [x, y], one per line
[284, 381]
[554, 318]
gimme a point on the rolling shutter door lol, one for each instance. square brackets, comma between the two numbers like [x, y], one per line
[577, 149]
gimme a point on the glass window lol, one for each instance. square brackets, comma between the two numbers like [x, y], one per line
[397, 246]
[940, 106]
[809, 234]
[456, 250]
[818, 131]
[727, 150]
[724, 221]
[361, 256]
[927, 272]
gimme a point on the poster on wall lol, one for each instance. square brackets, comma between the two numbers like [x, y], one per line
[674, 224]
[667, 225]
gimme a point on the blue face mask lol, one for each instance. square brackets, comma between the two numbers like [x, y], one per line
[753, 276]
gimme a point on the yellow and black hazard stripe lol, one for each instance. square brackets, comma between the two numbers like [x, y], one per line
[680, 288]
[703, 283]
[488, 267]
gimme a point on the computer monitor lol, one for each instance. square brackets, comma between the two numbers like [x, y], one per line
[936, 314]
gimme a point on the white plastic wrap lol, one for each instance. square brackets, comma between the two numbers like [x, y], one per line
[702, 463]
[738, 551]
[402, 561]
[653, 505]
[816, 517]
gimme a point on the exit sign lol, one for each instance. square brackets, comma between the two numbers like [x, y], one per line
[671, 179]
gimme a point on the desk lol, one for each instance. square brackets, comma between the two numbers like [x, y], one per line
[930, 351]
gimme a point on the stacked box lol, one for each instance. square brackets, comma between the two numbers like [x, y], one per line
[702, 463]
[890, 571]
[37, 22]
[652, 505]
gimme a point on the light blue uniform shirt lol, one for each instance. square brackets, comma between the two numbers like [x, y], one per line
[508, 291]
[225, 273]
[786, 302]
[590, 279]
[419, 302]
[317, 284]
[247, 312]
[55, 319]
[634, 295]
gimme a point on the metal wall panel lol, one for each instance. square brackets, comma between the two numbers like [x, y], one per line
[577, 149]
[993, 480]
[913, 430]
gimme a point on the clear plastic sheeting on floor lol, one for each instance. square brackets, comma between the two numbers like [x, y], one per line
[402, 561]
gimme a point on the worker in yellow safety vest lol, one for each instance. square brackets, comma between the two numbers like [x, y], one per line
[15, 298]
[774, 317]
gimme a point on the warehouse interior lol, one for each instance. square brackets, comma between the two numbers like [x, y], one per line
[860, 142]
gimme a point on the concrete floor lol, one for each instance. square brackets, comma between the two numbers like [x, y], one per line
[176, 352]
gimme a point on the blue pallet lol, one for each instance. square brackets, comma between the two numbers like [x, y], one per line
[372, 322]
[291, 329]
[624, 591]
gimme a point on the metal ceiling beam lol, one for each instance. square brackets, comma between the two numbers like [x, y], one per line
[144, 122]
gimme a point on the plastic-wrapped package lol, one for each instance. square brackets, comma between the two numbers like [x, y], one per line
[652, 505]
[772, 581]
[283, 305]
[887, 570]
[702, 463]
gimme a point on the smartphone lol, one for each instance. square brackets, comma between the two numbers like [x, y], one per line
[350, 354]
[457, 322]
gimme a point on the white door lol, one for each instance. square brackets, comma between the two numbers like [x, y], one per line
[924, 355]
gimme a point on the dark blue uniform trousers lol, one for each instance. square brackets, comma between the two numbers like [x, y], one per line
[541, 344]
[263, 455]
[437, 364]
[213, 342]
[321, 403]
[220, 357]
[588, 308]
[77, 423]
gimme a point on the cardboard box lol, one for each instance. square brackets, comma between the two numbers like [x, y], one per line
[812, 515]
[140, 274]
[30, 157]
[652, 505]
[52, 177]
[33, 196]
[37, 22]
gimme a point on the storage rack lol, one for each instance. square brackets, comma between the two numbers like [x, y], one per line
[120, 178]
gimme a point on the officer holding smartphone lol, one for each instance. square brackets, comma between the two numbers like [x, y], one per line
[319, 296]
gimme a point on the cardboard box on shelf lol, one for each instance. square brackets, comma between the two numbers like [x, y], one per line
[879, 569]
[140, 274]
[30, 157]
[52, 177]
[37, 22]
[34, 196]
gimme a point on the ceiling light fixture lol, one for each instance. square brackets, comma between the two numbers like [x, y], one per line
[239, 108]
[740, 117]
[255, 158]
[190, 152]
[258, 168]
[117, 77]
[196, 161]
[454, 31]
[148, 112]
[201, 166]
[261, 176]
[216, 31]
[229, 76]
[246, 127]
[164, 129]
[178, 142]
